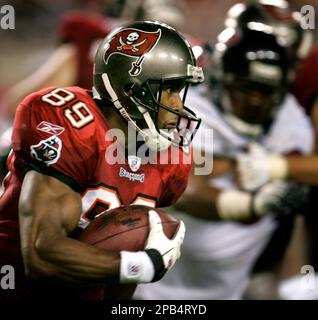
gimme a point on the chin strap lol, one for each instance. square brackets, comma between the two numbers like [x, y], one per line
[151, 136]
[155, 140]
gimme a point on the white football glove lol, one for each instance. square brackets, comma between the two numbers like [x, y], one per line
[278, 197]
[169, 249]
[259, 166]
[159, 256]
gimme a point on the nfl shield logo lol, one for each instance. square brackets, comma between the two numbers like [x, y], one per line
[134, 163]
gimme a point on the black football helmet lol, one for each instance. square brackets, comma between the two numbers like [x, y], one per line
[279, 18]
[132, 66]
[249, 78]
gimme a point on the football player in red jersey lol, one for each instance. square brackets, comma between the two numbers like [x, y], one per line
[60, 175]
[71, 64]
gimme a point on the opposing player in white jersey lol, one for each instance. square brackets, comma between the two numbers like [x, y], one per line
[228, 228]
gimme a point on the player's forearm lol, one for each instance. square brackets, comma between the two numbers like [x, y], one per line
[200, 204]
[200, 198]
[70, 260]
[303, 169]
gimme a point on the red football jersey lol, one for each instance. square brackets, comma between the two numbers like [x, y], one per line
[305, 87]
[62, 132]
[85, 30]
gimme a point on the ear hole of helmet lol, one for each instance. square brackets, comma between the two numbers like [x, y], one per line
[128, 89]
[146, 95]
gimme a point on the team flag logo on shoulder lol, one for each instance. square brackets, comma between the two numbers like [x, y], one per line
[48, 150]
[133, 43]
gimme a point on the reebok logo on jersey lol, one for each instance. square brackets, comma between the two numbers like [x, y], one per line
[50, 128]
[48, 150]
[131, 176]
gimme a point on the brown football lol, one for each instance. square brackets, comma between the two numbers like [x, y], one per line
[124, 228]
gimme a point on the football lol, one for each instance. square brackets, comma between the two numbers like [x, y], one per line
[124, 228]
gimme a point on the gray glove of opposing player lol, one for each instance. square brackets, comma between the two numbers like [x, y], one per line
[279, 197]
[259, 166]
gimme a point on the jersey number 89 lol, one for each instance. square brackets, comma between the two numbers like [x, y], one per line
[77, 114]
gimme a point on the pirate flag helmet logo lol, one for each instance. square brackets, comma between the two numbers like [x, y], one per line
[134, 43]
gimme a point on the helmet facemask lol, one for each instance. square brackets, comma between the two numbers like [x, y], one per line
[148, 101]
[166, 61]
[249, 79]
[250, 105]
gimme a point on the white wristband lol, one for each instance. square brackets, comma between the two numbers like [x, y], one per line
[136, 267]
[234, 204]
[279, 167]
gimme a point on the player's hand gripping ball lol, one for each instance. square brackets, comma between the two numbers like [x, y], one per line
[124, 228]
